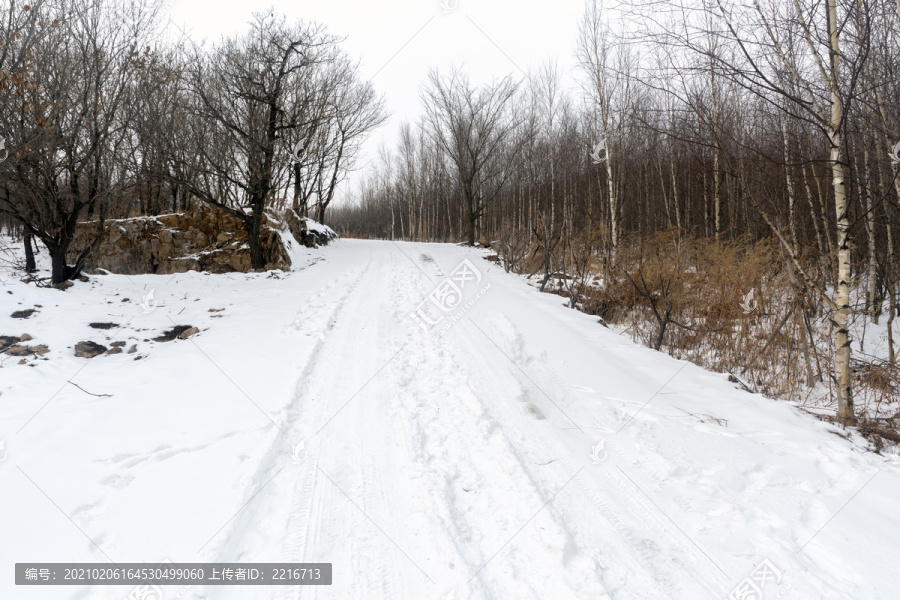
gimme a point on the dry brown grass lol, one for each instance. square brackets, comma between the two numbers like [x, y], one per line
[776, 342]
[732, 307]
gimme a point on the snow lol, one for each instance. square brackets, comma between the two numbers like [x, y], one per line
[525, 452]
[317, 227]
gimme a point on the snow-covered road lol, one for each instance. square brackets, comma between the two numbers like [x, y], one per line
[514, 450]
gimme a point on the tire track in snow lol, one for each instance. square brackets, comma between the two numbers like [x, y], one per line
[234, 541]
[533, 443]
[379, 548]
[644, 530]
[456, 446]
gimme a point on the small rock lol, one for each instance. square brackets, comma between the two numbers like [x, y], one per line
[126, 299]
[173, 333]
[114, 350]
[138, 357]
[103, 325]
[25, 337]
[83, 279]
[62, 286]
[117, 344]
[18, 350]
[88, 349]
[23, 314]
[40, 349]
[23, 361]
[133, 349]
[6, 341]
[188, 333]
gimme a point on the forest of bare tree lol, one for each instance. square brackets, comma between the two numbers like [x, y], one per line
[105, 112]
[723, 185]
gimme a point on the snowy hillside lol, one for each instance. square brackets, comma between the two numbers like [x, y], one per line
[434, 428]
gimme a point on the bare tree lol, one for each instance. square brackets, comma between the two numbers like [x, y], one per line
[243, 109]
[606, 70]
[66, 112]
[471, 125]
[357, 111]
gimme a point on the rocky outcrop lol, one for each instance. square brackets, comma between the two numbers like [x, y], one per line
[199, 240]
[307, 232]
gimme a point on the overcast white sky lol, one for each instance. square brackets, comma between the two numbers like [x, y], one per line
[490, 39]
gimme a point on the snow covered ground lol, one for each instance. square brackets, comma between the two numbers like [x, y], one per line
[509, 448]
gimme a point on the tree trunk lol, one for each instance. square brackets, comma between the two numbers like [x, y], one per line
[675, 192]
[663, 325]
[815, 221]
[613, 204]
[892, 298]
[253, 225]
[789, 180]
[298, 203]
[842, 289]
[842, 292]
[30, 266]
[874, 305]
[471, 214]
[717, 198]
[59, 269]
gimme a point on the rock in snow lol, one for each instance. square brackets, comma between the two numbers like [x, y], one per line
[88, 349]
